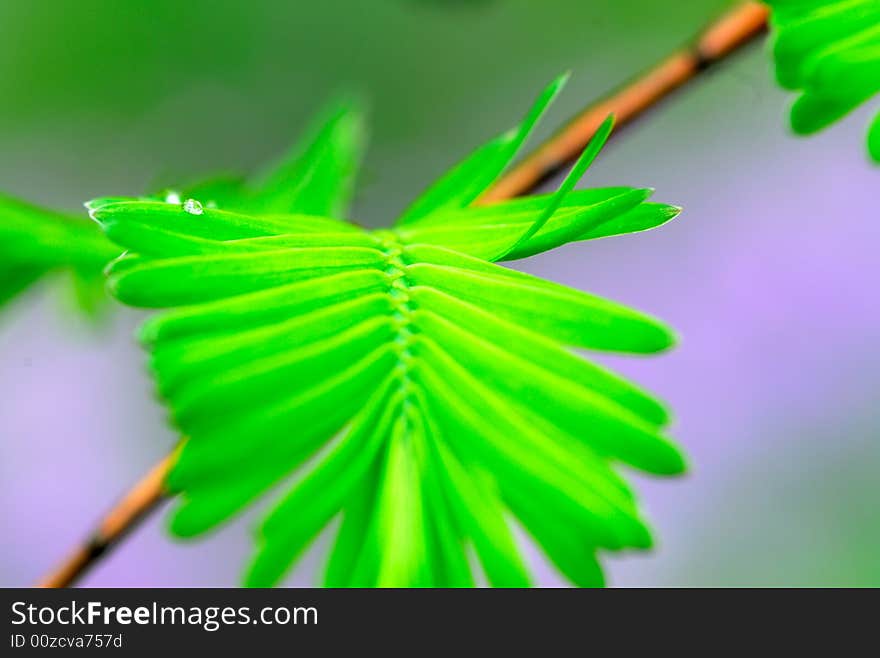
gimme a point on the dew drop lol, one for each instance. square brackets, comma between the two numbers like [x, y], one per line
[172, 197]
[193, 207]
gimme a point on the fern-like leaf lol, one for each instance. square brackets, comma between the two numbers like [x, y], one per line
[420, 392]
[829, 50]
[35, 241]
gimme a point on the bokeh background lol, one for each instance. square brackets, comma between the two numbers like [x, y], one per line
[769, 275]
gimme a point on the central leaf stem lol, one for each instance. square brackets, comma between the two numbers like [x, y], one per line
[402, 305]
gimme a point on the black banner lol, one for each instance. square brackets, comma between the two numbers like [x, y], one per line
[136, 620]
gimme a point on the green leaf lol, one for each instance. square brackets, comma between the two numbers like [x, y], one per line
[530, 343]
[195, 279]
[569, 316]
[874, 139]
[35, 242]
[481, 230]
[468, 180]
[397, 380]
[321, 495]
[577, 172]
[488, 233]
[314, 180]
[830, 52]
[317, 177]
[16, 279]
[479, 512]
[501, 239]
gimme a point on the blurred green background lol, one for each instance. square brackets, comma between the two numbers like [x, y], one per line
[767, 275]
[112, 96]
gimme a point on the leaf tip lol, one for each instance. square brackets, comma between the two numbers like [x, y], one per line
[148, 333]
[181, 523]
[561, 80]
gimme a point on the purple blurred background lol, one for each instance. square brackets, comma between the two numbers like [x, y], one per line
[768, 276]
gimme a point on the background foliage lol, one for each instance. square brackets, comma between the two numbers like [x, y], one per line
[829, 51]
[764, 274]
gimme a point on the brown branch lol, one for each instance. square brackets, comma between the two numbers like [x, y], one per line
[144, 497]
[725, 36]
[732, 31]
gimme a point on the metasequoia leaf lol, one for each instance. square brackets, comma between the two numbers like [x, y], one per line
[397, 380]
[34, 242]
[829, 50]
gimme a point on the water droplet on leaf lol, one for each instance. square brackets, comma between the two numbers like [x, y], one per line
[193, 207]
[172, 197]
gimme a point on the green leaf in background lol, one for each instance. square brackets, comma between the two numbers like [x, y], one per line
[396, 380]
[35, 242]
[315, 178]
[829, 50]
